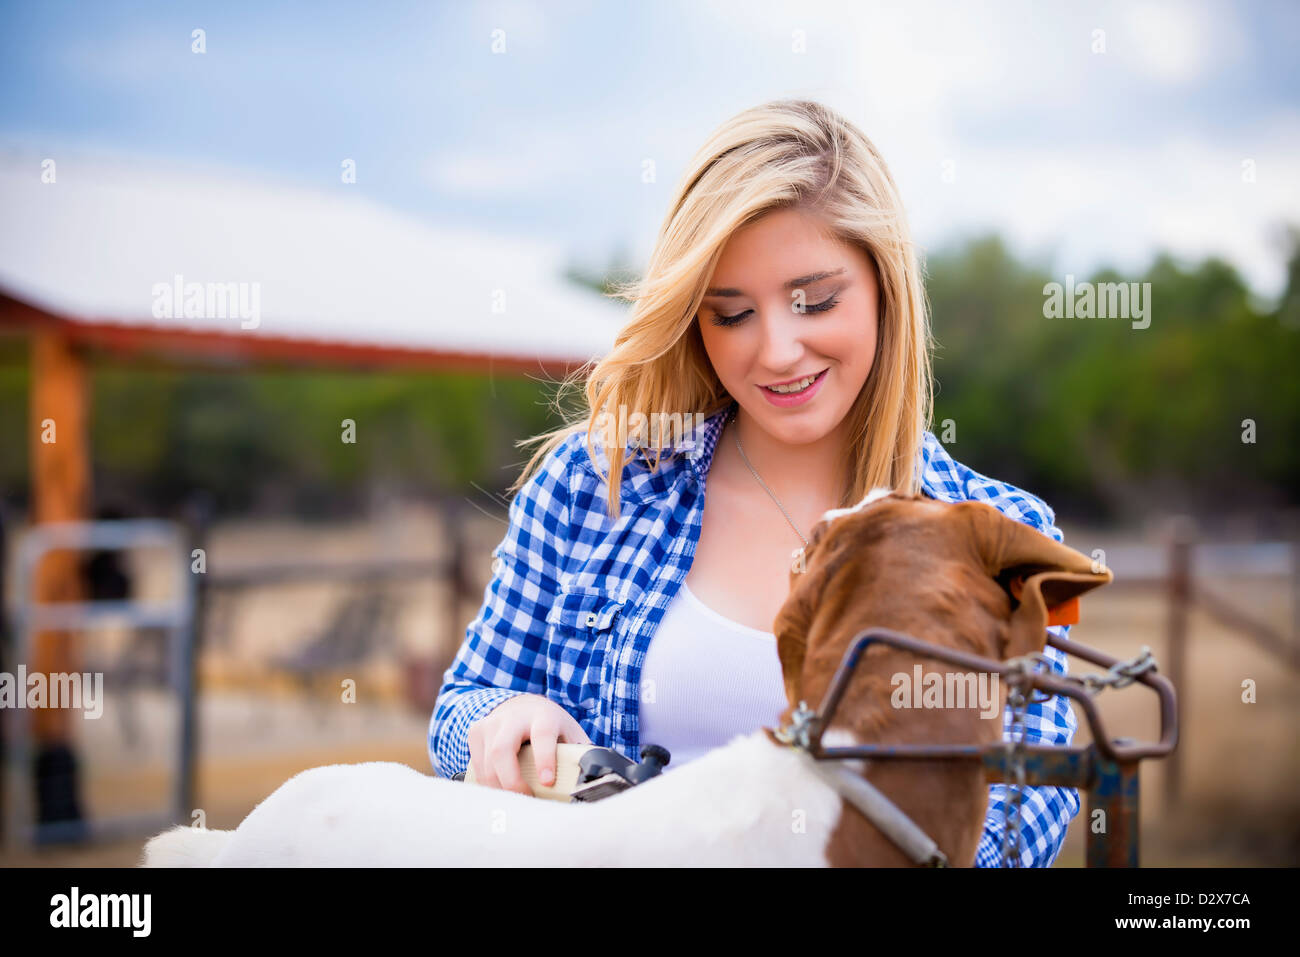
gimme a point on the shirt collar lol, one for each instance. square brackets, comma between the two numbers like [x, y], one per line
[700, 456]
[939, 476]
[937, 469]
[693, 453]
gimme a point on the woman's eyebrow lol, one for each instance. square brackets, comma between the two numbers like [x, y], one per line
[808, 280]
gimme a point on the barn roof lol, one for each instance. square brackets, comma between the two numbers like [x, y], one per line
[327, 275]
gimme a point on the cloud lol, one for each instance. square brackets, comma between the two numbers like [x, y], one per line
[1178, 44]
[1114, 204]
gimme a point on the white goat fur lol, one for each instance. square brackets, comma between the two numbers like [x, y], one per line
[748, 803]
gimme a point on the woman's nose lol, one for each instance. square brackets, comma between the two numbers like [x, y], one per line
[782, 343]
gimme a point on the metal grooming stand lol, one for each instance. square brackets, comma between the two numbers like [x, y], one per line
[1107, 769]
[176, 616]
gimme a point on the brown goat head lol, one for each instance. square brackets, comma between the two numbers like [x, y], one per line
[944, 573]
[961, 576]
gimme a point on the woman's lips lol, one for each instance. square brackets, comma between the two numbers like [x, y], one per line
[788, 399]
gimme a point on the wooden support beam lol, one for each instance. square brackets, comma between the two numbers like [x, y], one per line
[60, 462]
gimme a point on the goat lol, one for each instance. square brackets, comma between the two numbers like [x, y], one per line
[937, 571]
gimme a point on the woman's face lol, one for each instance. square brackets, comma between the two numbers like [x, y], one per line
[757, 337]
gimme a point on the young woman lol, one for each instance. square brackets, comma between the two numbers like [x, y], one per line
[784, 305]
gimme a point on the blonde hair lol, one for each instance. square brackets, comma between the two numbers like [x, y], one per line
[782, 154]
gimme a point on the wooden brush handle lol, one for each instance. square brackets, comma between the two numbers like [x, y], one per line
[566, 770]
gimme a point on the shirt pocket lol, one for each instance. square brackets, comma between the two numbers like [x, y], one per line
[580, 630]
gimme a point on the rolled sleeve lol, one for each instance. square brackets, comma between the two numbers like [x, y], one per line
[503, 654]
[466, 702]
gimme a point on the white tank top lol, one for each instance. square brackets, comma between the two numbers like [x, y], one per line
[705, 680]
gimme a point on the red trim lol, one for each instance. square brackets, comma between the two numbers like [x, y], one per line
[226, 347]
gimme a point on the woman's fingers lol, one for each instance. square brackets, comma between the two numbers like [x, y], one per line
[543, 736]
[494, 742]
[503, 758]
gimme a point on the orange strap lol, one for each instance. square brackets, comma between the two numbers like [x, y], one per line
[1066, 613]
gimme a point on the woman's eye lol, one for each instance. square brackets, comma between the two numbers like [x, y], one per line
[721, 320]
[824, 306]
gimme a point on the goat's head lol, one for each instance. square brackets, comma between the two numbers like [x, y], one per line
[963, 576]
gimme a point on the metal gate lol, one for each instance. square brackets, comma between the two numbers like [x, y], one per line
[176, 616]
[1107, 769]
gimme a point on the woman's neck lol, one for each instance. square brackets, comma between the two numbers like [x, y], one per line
[805, 477]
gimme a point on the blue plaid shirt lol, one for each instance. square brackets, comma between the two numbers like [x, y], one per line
[575, 599]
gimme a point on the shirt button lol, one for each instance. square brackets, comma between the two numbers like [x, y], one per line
[591, 619]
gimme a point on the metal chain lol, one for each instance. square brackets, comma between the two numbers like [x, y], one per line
[1119, 675]
[1017, 701]
[736, 436]
[798, 732]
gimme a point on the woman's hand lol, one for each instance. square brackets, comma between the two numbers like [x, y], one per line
[495, 740]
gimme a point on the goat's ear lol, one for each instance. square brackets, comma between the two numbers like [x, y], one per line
[791, 630]
[809, 573]
[796, 616]
[1048, 576]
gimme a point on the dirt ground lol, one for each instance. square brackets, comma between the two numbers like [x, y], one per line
[1239, 763]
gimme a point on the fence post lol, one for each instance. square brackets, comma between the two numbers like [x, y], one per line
[1116, 793]
[198, 510]
[1182, 534]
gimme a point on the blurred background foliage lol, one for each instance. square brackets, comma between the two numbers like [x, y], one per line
[1104, 421]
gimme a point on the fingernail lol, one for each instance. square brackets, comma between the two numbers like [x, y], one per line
[547, 776]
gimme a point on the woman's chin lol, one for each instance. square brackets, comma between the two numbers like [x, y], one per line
[797, 426]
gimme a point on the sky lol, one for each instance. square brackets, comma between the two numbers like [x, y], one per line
[1087, 135]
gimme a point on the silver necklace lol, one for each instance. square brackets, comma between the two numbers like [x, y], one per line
[736, 436]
